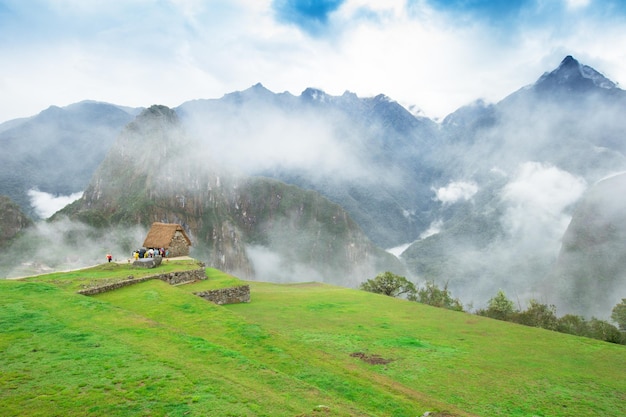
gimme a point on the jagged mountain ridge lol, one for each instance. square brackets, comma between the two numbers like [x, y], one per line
[12, 220]
[361, 153]
[589, 273]
[57, 150]
[239, 224]
[403, 177]
[529, 156]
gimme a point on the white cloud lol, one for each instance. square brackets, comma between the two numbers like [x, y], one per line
[537, 199]
[456, 191]
[66, 51]
[577, 4]
[433, 229]
[46, 204]
[272, 266]
[397, 250]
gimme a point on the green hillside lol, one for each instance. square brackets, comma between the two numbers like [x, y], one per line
[295, 350]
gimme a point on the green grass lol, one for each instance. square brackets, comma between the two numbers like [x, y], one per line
[154, 350]
[109, 272]
[216, 280]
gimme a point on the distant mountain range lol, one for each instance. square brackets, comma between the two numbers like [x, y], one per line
[480, 201]
[253, 226]
[57, 150]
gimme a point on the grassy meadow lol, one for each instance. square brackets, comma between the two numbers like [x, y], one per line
[295, 350]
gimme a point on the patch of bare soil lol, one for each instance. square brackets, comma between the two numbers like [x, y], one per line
[371, 359]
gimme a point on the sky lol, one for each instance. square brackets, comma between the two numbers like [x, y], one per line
[431, 56]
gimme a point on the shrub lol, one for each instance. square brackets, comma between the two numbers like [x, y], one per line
[538, 315]
[572, 324]
[432, 295]
[389, 284]
[602, 330]
[499, 307]
[618, 314]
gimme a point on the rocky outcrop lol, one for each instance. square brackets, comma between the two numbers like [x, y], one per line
[148, 262]
[12, 220]
[233, 295]
[236, 223]
[589, 276]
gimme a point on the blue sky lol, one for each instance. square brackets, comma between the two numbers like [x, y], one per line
[433, 54]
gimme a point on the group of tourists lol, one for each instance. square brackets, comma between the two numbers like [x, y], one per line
[150, 253]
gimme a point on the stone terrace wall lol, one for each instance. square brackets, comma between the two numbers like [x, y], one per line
[231, 295]
[171, 278]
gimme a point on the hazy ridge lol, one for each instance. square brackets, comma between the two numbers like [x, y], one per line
[481, 200]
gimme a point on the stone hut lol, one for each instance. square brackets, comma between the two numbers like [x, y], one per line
[171, 237]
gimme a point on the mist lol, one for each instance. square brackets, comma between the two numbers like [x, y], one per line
[48, 159]
[529, 161]
[537, 202]
[486, 196]
[46, 204]
[272, 266]
[63, 245]
[455, 191]
[263, 133]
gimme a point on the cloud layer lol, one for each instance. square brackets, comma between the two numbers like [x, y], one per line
[46, 204]
[537, 201]
[456, 191]
[435, 54]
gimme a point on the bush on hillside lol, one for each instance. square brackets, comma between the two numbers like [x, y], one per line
[432, 295]
[389, 284]
[618, 314]
[499, 308]
[538, 315]
[603, 330]
[544, 316]
[572, 324]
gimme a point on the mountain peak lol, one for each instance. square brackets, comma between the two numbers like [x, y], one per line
[255, 92]
[572, 75]
[157, 111]
[569, 61]
[314, 94]
[258, 88]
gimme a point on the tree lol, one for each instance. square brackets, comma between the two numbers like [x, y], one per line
[618, 314]
[389, 284]
[603, 330]
[432, 295]
[572, 324]
[499, 307]
[538, 315]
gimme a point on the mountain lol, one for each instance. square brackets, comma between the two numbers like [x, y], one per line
[12, 220]
[528, 160]
[57, 150]
[361, 153]
[480, 201]
[571, 75]
[590, 271]
[252, 226]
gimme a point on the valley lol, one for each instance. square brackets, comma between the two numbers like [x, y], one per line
[284, 188]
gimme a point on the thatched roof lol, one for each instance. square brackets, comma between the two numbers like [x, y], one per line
[161, 234]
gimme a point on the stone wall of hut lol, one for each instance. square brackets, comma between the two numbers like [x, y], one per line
[178, 246]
